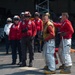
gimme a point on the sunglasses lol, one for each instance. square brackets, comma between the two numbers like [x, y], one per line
[27, 16]
[16, 19]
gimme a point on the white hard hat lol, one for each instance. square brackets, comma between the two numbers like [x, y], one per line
[22, 13]
[9, 19]
[60, 17]
[16, 17]
[27, 13]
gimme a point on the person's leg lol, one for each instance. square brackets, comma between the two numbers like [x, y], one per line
[67, 57]
[60, 54]
[19, 50]
[66, 52]
[39, 40]
[24, 51]
[14, 53]
[44, 53]
[39, 45]
[35, 40]
[7, 44]
[42, 43]
[50, 57]
[31, 51]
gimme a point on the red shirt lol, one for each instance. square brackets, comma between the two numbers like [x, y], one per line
[30, 25]
[51, 32]
[39, 24]
[15, 32]
[65, 27]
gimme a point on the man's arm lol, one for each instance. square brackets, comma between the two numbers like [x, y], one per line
[57, 25]
[51, 32]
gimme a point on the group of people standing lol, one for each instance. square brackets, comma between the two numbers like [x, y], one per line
[23, 34]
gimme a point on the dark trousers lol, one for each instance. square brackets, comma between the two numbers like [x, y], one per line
[37, 44]
[37, 41]
[16, 45]
[27, 44]
[7, 43]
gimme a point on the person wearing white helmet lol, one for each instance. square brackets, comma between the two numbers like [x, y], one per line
[28, 30]
[14, 37]
[39, 27]
[22, 16]
[6, 33]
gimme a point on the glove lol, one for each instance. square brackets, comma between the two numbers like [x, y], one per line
[40, 34]
[25, 30]
[31, 38]
[62, 33]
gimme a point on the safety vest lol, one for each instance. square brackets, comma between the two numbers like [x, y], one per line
[45, 31]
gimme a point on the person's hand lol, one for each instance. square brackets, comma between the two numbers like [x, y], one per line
[40, 35]
[62, 33]
[25, 30]
[31, 38]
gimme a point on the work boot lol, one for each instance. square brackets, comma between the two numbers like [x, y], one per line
[45, 67]
[30, 63]
[39, 51]
[13, 63]
[62, 66]
[19, 63]
[7, 53]
[23, 64]
[49, 72]
[66, 70]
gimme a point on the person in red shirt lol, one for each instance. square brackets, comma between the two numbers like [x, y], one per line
[14, 37]
[39, 26]
[66, 31]
[28, 30]
[22, 16]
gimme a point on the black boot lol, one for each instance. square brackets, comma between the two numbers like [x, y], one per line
[22, 64]
[39, 51]
[19, 63]
[62, 66]
[30, 63]
[13, 63]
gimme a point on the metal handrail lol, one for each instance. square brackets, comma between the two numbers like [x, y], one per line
[39, 6]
